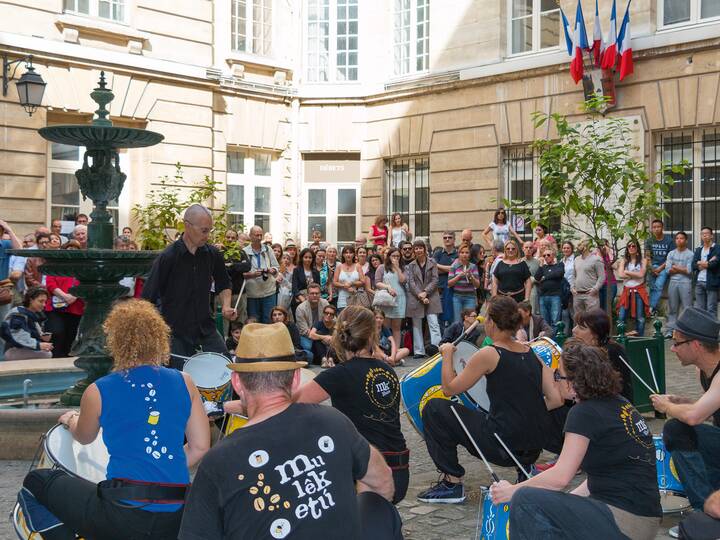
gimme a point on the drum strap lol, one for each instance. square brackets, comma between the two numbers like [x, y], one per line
[397, 460]
[117, 489]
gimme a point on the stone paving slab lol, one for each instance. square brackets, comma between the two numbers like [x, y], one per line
[420, 521]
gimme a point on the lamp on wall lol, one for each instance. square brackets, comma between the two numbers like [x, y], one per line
[30, 85]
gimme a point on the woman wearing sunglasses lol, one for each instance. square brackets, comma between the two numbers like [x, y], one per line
[512, 275]
[606, 437]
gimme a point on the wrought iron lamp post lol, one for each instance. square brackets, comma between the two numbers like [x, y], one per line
[30, 86]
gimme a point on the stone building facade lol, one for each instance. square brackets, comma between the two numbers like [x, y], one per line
[326, 113]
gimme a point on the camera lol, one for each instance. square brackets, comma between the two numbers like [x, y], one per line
[265, 274]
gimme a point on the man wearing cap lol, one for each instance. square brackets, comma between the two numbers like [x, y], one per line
[294, 470]
[695, 446]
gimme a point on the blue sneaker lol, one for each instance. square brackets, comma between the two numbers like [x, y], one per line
[443, 492]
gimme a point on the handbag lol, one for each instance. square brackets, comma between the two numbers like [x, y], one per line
[359, 298]
[384, 299]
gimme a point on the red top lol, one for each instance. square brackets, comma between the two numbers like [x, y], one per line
[64, 284]
[376, 231]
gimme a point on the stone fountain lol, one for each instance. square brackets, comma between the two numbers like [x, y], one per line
[98, 268]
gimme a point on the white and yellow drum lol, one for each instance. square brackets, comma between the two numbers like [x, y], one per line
[547, 350]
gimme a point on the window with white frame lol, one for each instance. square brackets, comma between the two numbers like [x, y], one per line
[113, 10]
[411, 36]
[332, 40]
[251, 26]
[65, 198]
[332, 209]
[249, 188]
[533, 25]
[682, 12]
[694, 197]
[407, 184]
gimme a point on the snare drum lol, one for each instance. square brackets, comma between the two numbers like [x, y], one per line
[211, 375]
[61, 451]
[547, 350]
[495, 520]
[425, 383]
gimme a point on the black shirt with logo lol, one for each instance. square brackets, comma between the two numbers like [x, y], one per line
[367, 391]
[290, 476]
[620, 459]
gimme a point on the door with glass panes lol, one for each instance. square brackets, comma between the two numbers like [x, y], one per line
[334, 210]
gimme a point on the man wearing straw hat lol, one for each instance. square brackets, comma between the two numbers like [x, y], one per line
[695, 446]
[294, 470]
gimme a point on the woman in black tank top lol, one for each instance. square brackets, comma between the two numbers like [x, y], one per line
[521, 391]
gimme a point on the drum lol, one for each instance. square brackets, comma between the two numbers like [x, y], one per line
[424, 383]
[495, 519]
[61, 451]
[547, 350]
[672, 493]
[211, 375]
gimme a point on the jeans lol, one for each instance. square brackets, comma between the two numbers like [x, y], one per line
[307, 346]
[187, 346]
[4, 310]
[260, 308]
[537, 513]
[75, 502]
[602, 295]
[550, 307]
[679, 298]
[379, 519]
[656, 285]
[446, 300]
[706, 298]
[433, 326]
[639, 314]
[695, 451]
[460, 302]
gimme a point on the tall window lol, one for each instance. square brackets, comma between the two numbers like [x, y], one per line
[533, 25]
[411, 36]
[408, 192]
[694, 199]
[522, 183]
[65, 198]
[332, 209]
[332, 40]
[251, 26]
[249, 188]
[113, 10]
[678, 12]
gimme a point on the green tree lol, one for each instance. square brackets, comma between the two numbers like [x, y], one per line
[162, 215]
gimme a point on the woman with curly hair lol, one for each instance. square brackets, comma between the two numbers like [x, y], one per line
[145, 410]
[606, 437]
[365, 389]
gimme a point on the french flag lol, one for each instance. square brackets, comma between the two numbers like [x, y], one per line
[610, 56]
[566, 30]
[598, 44]
[580, 43]
[626, 60]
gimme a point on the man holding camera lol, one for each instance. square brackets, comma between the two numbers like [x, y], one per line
[260, 280]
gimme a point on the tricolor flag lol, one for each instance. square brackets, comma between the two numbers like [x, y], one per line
[598, 44]
[567, 30]
[580, 43]
[610, 56]
[626, 60]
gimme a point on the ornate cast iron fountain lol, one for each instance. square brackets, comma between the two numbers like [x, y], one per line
[98, 268]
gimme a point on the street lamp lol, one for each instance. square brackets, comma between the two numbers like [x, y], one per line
[30, 86]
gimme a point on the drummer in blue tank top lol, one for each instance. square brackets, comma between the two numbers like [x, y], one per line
[145, 410]
[521, 391]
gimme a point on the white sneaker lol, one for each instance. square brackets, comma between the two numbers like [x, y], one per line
[674, 532]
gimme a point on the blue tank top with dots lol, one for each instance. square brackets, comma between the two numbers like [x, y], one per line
[144, 413]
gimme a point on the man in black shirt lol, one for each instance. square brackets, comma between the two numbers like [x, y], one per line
[407, 255]
[180, 282]
[292, 470]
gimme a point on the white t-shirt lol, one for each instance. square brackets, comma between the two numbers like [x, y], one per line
[633, 267]
[501, 231]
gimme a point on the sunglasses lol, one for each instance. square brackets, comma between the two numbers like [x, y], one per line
[510, 249]
[548, 255]
[407, 249]
[557, 377]
[329, 313]
[448, 237]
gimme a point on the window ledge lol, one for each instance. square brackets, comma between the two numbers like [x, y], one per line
[679, 27]
[266, 62]
[72, 26]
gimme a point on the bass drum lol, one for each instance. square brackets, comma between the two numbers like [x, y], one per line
[211, 375]
[425, 383]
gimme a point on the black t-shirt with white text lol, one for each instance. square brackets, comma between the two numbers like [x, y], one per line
[620, 459]
[367, 391]
[290, 476]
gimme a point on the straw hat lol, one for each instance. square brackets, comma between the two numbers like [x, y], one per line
[265, 347]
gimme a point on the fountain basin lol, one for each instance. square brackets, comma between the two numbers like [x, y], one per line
[49, 376]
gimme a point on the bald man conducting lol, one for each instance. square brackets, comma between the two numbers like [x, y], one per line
[179, 283]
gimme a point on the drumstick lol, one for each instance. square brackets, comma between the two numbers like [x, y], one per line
[237, 302]
[512, 455]
[482, 456]
[180, 356]
[478, 320]
[652, 371]
[639, 378]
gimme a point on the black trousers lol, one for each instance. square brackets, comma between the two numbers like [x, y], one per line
[379, 519]
[187, 346]
[75, 502]
[443, 434]
[554, 435]
[64, 327]
[700, 526]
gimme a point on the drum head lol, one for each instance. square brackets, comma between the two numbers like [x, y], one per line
[88, 461]
[208, 370]
[478, 393]
[673, 503]
[547, 350]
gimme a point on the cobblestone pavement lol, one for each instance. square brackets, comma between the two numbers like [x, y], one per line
[421, 521]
